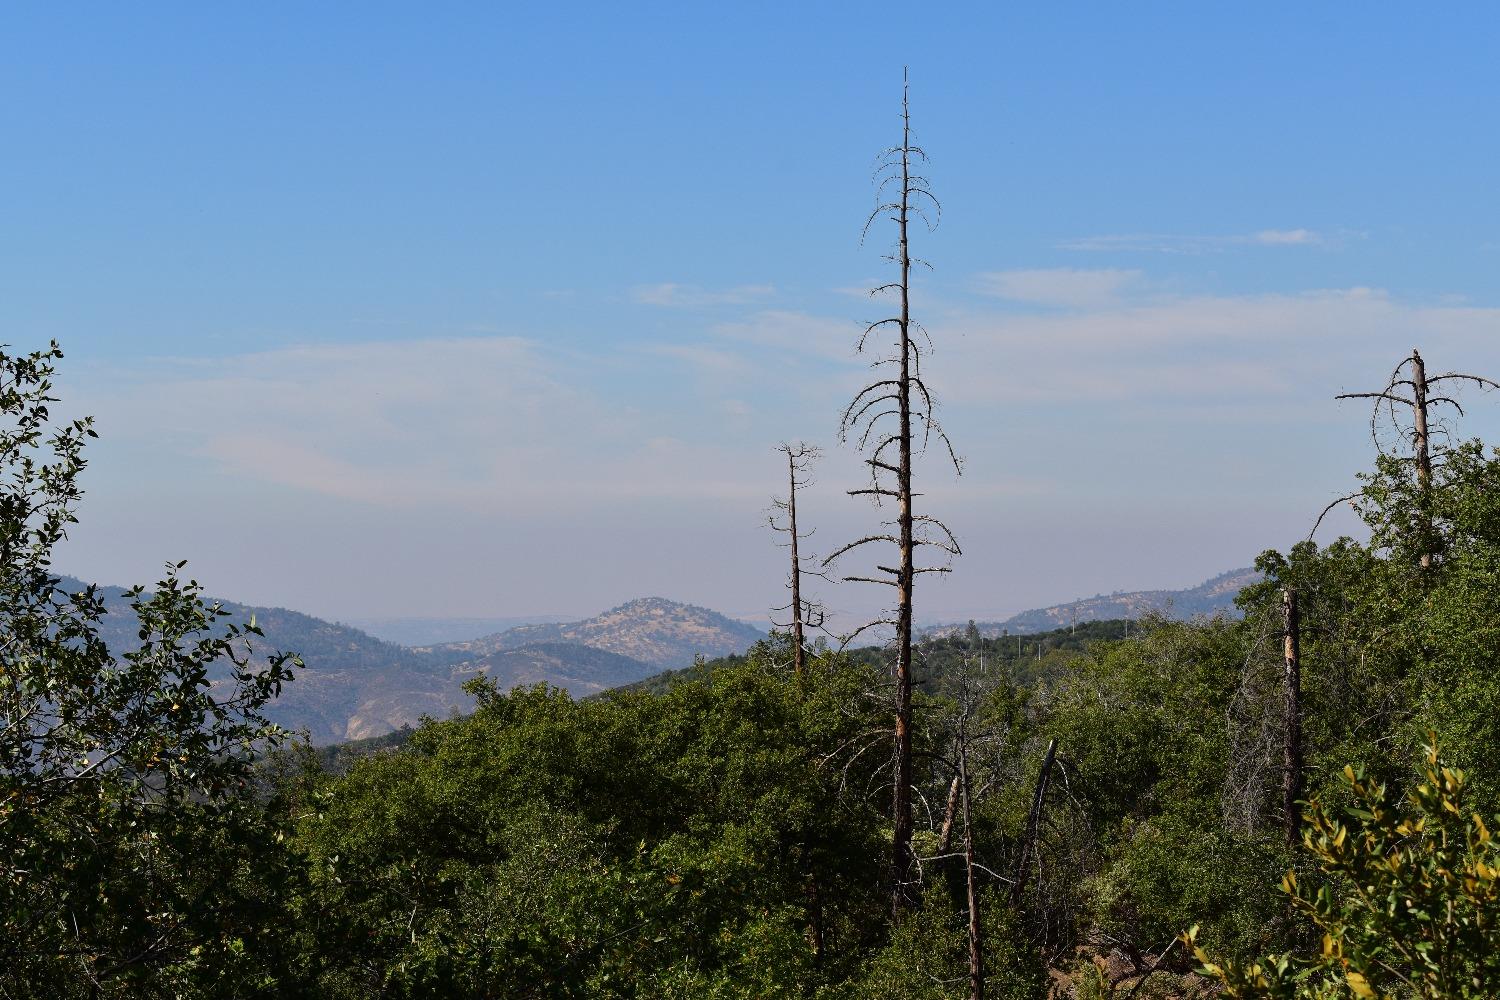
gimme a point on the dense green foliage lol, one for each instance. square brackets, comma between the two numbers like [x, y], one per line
[628, 846]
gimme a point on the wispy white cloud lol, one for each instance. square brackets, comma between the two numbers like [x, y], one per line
[1287, 237]
[702, 358]
[776, 334]
[389, 422]
[510, 423]
[671, 295]
[1189, 351]
[1058, 286]
[495, 424]
[1179, 243]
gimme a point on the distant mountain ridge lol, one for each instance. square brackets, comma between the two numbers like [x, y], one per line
[1215, 596]
[356, 686]
[654, 630]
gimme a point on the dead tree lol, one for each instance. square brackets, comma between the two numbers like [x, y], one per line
[891, 419]
[973, 690]
[1291, 757]
[950, 815]
[976, 940]
[805, 614]
[1411, 386]
[1033, 823]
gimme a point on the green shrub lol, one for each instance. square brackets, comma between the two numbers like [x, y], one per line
[1411, 906]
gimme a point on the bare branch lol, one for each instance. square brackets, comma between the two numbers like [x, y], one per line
[1326, 510]
[1479, 379]
[1376, 395]
[863, 541]
[870, 624]
[870, 579]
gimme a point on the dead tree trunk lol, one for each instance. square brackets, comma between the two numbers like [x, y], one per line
[1421, 445]
[1291, 775]
[804, 614]
[1033, 823]
[1419, 418]
[950, 814]
[799, 644]
[976, 941]
[905, 399]
[903, 860]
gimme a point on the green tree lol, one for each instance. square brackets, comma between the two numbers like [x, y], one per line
[129, 833]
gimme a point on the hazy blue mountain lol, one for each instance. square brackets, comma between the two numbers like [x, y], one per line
[1211, 597]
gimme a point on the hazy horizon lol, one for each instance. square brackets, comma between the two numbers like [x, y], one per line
[405, 629]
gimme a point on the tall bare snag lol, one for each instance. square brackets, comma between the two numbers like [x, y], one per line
[891, 419]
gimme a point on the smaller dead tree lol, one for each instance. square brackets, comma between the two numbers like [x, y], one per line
[1254, 721]
[950, 816]
[1411, 388]
[1033, 823]
[972, 738]
[1291, 776]
[976, 940]
[805, 614]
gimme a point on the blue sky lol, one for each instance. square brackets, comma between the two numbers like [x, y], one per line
[495, 310]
